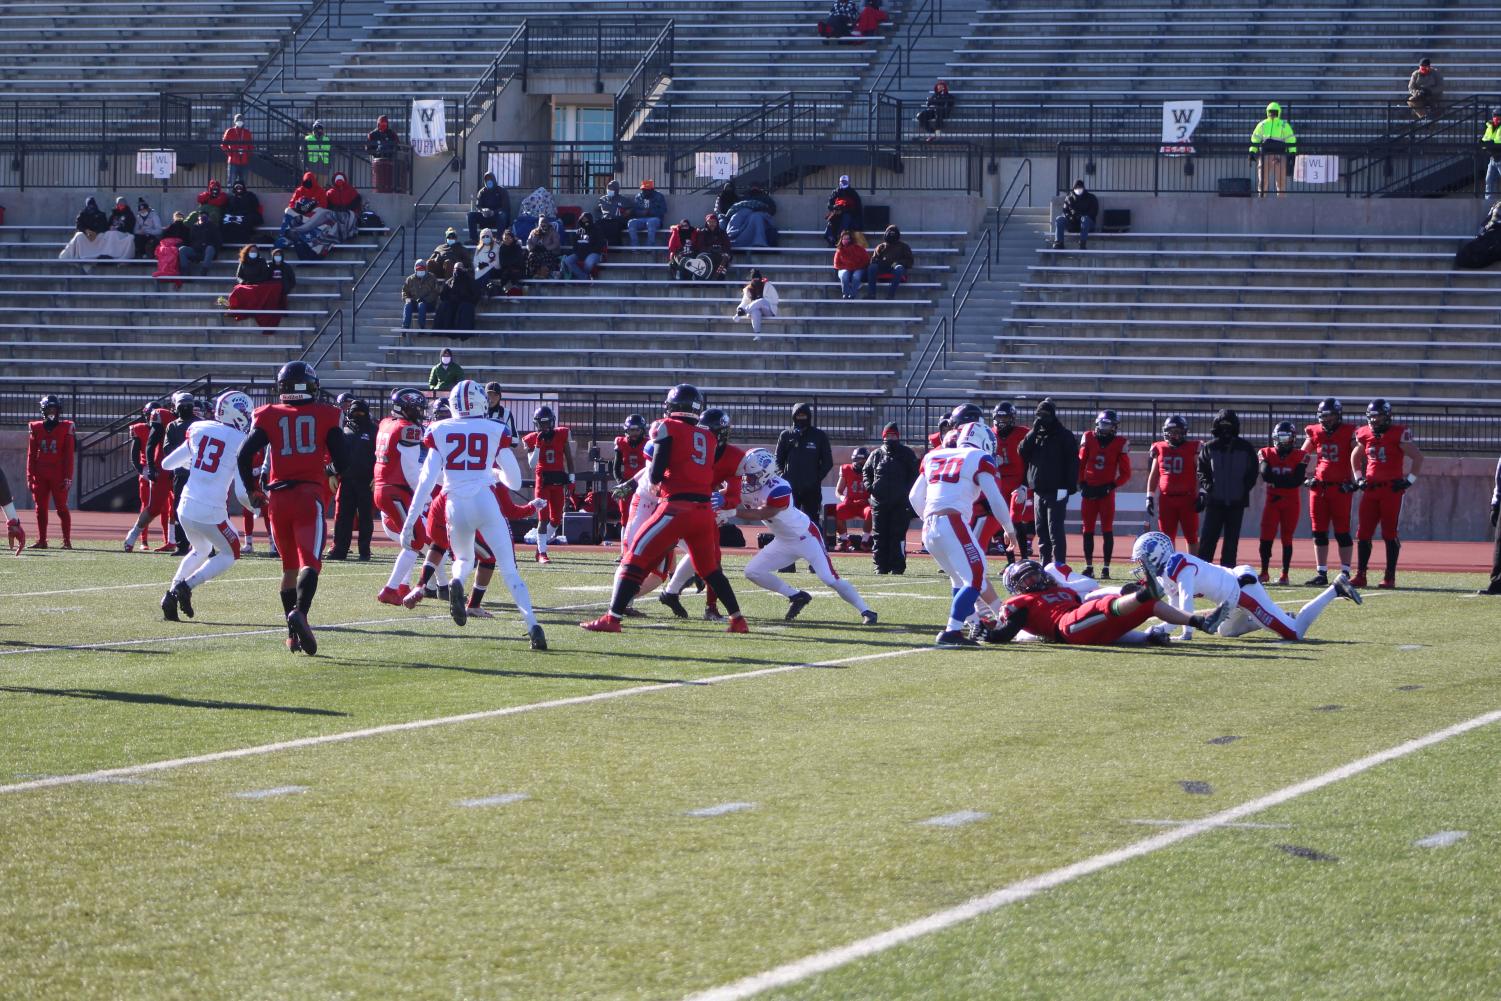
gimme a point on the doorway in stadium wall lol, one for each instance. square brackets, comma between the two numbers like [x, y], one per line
[582, 160]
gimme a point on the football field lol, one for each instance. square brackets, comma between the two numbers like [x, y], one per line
[816, 810]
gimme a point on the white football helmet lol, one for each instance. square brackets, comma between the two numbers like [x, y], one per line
[757, 468]
[467, 399]
[1153, 550]
[975, 435]
[235, 409]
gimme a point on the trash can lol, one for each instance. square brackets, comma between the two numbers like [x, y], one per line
[383, 171]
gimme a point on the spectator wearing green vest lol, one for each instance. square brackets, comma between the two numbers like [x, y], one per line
[318, 149]
[1273, 144]
[1490, 145]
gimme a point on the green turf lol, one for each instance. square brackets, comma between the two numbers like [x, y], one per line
[373, 883]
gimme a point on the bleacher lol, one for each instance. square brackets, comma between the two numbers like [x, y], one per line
[1254, 317]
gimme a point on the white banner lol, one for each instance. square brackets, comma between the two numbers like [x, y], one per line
[1316, 169]
[507, 169]
[159, 163]
[716, 166]
[429, 128]
[1179, 119]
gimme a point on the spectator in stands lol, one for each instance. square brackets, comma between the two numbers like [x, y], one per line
[840, 21]
[446, 374]
[1079, 212]
[95, 239]
[344, 198]
[303, 204]
[844, 211]
[889, 474]
[440, 263]
[679, 249]
[749, 222]
[1051, 454]
[870, 20]
[647, 213]
[242, 215]
[419, 296]
[728, 196]
[612, 212]
[892, 259]
[148, 228]
[168, 264]
[487, 263]
[258, 287]
[317, 150]
[212, 200]
[237, 145]
[850, 262]
[456, 301]
[1228, 468]
[203, 243]
[512, 264]
[381, 142]
[713, 243]
[491, 208]
[588, 250]
[936, 110]
[543, 250]
[121, 219]
[177, 229]
[91, 220]
[758, 300]
[1425, 90]
[540, 204]
[1490, 146]
[1273, 143]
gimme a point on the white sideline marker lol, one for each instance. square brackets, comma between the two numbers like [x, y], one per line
[269, 793]
[501, 800]
[720, 809]
[1443, 839]
[1180, 823]
[956, 819]
[832, 959]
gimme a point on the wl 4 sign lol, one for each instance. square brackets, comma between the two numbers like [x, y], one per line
[1179, 119]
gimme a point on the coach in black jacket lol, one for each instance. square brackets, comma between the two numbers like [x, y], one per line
[356, 500]
[804, 458]
[888, 475]
[1051, 454]
[1228, 469]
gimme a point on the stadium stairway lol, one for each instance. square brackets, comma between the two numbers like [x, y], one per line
[634, 327]
[1250, 317]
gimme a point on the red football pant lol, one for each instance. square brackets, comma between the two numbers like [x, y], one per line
[43, 488]
[1098, 508]
[1378, 505]
[987, 529]
[297, 525]
[856, 511]
[1092, 624]
[393, 503]
[554, 495]
[1175, 513]
[1330, 507]
[1280, 513]
[437, 533]
[157, 502]
[691, 522]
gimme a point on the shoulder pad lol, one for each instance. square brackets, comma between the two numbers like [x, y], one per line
[664, 432]
[411, 434]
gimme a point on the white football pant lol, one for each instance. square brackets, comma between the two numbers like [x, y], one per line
[198, 567]
[470, 516]
[781, 552]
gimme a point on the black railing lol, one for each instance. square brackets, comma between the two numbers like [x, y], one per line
[282, 62]
[633, 101]
[390, 254]
[933, 354]
[917, 24]
[104, 454]
[331, 335]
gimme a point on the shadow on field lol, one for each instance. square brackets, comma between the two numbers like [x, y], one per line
[141, 698]
[498, 672]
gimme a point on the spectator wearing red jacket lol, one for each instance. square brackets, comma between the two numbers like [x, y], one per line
[343, 196]
[304, 205]
[237, 145]
[850, 262]
[213, 201]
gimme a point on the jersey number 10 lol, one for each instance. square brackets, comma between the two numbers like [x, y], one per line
[298, 435]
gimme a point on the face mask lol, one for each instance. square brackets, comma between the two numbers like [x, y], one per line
[489, 184]
[451, 241]
[276, 258]
[420, 273]
[1078, 191]
[252, 255]
[488, 241]
[448, 359]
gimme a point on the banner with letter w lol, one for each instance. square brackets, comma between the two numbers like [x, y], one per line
[429, 128]
[1179, 119]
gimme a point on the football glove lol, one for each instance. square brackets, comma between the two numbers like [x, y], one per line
[257, 500]
[1151, 508]
[537, 504]
[1495, 514]
[1350, 486]
[716, 501]
[1401, 485]
[15, 535]
[1062, 494]
[1201, 501]
[621, 491]
[1360, 484]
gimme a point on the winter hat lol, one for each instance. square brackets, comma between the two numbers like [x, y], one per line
[450, 231]
[613, 187]
[648, 185]
[1047, 407]
[421, 265]
[890, 428]
[383, 122]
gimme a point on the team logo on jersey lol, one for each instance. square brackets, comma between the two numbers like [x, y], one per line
[699, 266]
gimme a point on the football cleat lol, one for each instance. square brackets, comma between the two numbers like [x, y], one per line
[442, 592]
[1284, 581]
[1104, 574]
[868, 617]
[1359, 580]
[738, 625]
[953, 638]
[480, 612]
[1320, 579]
[1088, 572]
[169, 606]
[390, 596]
[67, 544]
[543, 558]
[42, 544]
[170, 547]
[712, 615]
[673, 602]
[1217, 618]
[458, 607]
[302, 632]
[606, 623]
[1345, 589]
[1150, 583]
[184, 596]
[632, 612]
[1387, 584]
[294, 645]
[412, 597]
[1264, 577]
[796, 604]
[1159, 636]
[539, 638]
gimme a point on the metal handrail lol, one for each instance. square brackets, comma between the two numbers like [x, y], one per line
[1025, 191]
[943, 331]
[663, 45]
[966, 284]
[108, 438]
[355, 300]
[940, 335]
[337, 341]
[290, 42]
[898, 61]
[418, 220]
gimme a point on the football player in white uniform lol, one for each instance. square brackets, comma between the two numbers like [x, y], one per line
[1185, 577]
[767, 498]
[949, 481]
[208, 454]
[468, 454]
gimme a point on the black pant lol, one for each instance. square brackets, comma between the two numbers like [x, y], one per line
[1052, 540]
[356, 501]
[179, 482]
[1219, 518]
[809, 500]
[1495, 587]
[890, 521]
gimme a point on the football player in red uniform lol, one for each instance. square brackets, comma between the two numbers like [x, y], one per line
[854, 503]
[155, 503]
[1283, 468]
[1172, 482]
[724, 500]
[49, 469]
[935, 440]
[398, 462]
[1332, 487]
[1053, 612]
[551, 459]
[1010, 474]
[1380, 464]
[15, 535]
[301, 436]
[1104, 466]
[630, 459]
[682, 467]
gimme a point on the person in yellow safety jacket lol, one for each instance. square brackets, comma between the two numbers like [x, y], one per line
[1273, 144]
[1491, 146]
[319, 149]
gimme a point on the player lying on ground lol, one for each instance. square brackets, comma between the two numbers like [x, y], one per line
[1186, 577]
[1052, 610]
[207, 455]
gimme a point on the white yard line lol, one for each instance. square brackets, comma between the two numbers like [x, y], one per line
[822, 962]
[426, 724]
[194, 637]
